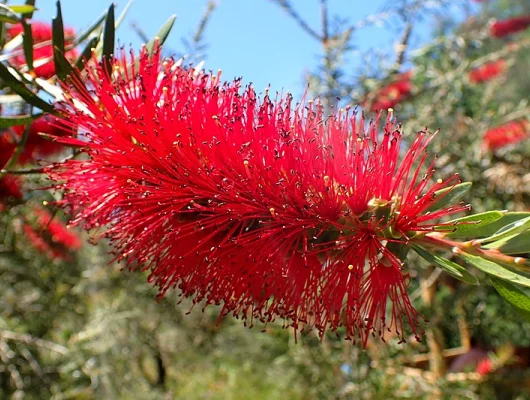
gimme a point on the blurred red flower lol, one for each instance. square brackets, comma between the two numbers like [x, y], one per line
[506, 27]
[42, 55]
[38, 146]
[394, 93]
[487, 71]
[262, 206]
[50, 236]
[509, 133]
[484, 366]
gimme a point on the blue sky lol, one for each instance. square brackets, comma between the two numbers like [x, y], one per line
[254, 39]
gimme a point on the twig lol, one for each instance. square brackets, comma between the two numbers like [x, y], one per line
[199, 33]
[324, 18]
[28, 339]
[139, 31]
[401, 48]
[304, 25]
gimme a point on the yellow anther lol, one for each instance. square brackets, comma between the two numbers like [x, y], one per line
[245, 163]
[439, 181]
[272, 211]
[350, 267]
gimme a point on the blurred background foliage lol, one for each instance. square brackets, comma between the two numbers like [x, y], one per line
[73, 326]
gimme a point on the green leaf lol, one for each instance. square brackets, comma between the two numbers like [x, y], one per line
[162, 34]
[23, 9]
[516, 244]
[508, 230]
[448, 266]
[491, 268]
[62, 66]
[490, 229]
[27, 44]
[7, 122]
[473, 223]
[8, 15]
[86, 53]
[21, 89]
[108, 40]
[456, 193]
[90, 30]
[513, 295]
[30, 3]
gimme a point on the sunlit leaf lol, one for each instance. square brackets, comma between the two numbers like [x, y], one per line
[509, 230]
[513, 295]
[491, 268]
[162, 34]
[515, 244]
[473, 223]
[455, 194]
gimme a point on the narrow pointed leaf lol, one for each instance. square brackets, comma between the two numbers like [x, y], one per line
[453, 269]
[494, 269]
[509, 230]
[8, 15]
[23, 9]
[455, 194]
[473, 223]
[27, 44]
[516, 244]
[492, 228]
[162, 34]
[513, 295]
[62, 66]
[108, 40]
[21, 89]
[86, 53]
[30, 3]
[93, 29]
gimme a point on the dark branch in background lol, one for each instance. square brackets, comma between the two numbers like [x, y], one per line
[195, 46]
[401, 48]
[139, 31]
[324, 17]
[304, 25]
[199, 33]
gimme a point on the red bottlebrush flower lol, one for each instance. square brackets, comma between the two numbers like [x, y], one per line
[49, 235]
[504, 135]
[394, 93]
[506, 27]
[40, 32]
[264, 207]
[38, 146]
[484, 366]
[10, 186]
[487, 71]
[43, 63]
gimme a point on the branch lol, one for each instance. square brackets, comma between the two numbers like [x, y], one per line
[324, 18]
[28, 339]
[304, 25]
[401, 48]
[197, 37]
